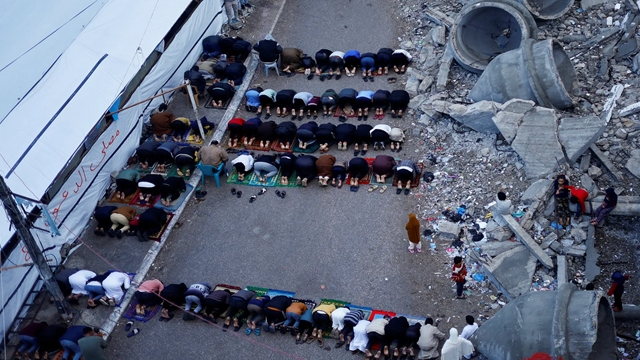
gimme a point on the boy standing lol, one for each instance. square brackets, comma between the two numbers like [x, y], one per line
[458, 275]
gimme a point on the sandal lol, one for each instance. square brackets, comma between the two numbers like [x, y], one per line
[383, 189]
[239, 194]
[233, 191]
[112, 302]
[128, 327]
[262, 191]
[134, 332]
[373, 188]
[248, 331]
[407, 191]
[411, 250]
[257, 331]
[419, 250]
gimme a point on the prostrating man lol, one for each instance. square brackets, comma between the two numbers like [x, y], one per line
[349, 322]
[322, 63]
[364, 101]
[216, 303]
[267, 100]
[267, 134]
[234, 73]
[49, 339]
[324, 166]
[362, 137]
[236, 131]
[274, 311]
[400, 59]
[398, 102]
[338, 173]
[148, 295]
[382, 167]
[383, 58]
[161, 123]
[375, 333]
[291, 60]
[358, 169]
[329, 101]
[127, 183]
[243, 165]
[149, 186]
[69, 341]
[321, 320]
[336, 64]
[300, 101]
[195, 295]
[186, 157]
[146, 153]
[326, 136]
[120, 219]
[238, 302]
[406, 170]
[286, 132]
[29, 339]
[250, 130]
[380, 136]
[284, 101]
[368, 66]
[394, 331]
[266, 166]
[287, 167]
[102, 214]
[220, 93]
[172, 295]
[351, 62]
[306, 171]
[347, 101]
[78, 281]
[306, 134]
[293, 314]
[114, 286]
[345, 134]
[150, 222]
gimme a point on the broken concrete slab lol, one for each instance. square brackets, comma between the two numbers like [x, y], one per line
[439, 36]
[591, 262]
[588, 184]
[412, 86]
[575, 250]
[627, 48]
[562, 270]
[518, 106]
[617, 175]
[443, 71]
[448, 229]
[536, 142]
[511, 272]
[507, 124]
[633, 163]
[417, 73]
[576, 134]
[536, 191]
[607, 109]
[416, 101]
[425, 84]
[495, 248]
[437, 17]
[587, 4]
[497, 232]
[528, 241]
[478, 116]
[585, 161]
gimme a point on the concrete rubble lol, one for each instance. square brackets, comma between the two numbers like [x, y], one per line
[519, 145]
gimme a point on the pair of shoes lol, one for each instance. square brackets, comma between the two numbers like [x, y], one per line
[281, 194]
[411, 250]
[119, 234]
[112, 233]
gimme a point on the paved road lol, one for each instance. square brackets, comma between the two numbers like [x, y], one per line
[318, 242]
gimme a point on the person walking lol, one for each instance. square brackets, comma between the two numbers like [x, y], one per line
[413, 231]
[231, 7]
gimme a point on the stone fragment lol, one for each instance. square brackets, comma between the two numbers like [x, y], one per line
[416, 101]
[577, 134]
[536, 142]
[562, 270]
[536, 191]
[425, 84]
[576, 250]
[412, 85]
[495, 248]
[617, 175]
[420, 75]
[588, 184]
[508, 123]
[443, 71]
[630, 110]
[621, 134]
[511, 272]
[448, 229]
[594, 172]
[633, 163]
[439, 36]
[499, 233]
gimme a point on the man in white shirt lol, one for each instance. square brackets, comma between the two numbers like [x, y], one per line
[501, 208]
[470, 328]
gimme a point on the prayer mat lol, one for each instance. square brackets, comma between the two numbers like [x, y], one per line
[338, 112]
[165, 173]
[291, 183]
[273, 292]
[183, 137]
[311, 148]
[158, 235]
[225, 141]
[233, 178]
[337, 303]
[225, 105]
[191, 139]
[366, 310]
[149, 313]
[379, 314]
[367, 179]
[127, 200]
[276, 146]
[271, 181]
[414, 184]
[174, 172]
[413, 318]
[136, 200]
[258, 290]
[142, 171]
[174, 205]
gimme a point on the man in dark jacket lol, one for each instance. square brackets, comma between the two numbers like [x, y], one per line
[268, 49]
[195, 78]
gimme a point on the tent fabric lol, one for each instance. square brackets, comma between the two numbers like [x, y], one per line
[68, 103]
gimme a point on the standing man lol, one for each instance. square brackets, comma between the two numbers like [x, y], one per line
[91, 345]
[231, 6]
[617, 289]
[458, 275]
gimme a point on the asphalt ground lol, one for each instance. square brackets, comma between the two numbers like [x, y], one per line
[317, 242]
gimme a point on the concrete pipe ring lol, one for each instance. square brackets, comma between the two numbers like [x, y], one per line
[548, 9]
[486, 29]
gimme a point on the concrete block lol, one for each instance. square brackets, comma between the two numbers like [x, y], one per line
[577, 134]
[588, 184]
[420, 75]
[430, 114]
[549, 239]
[416, 101]
[576, 250]
[528, 241]
[591, 262]
[627, 205]
[562, 270]
[508, 124]
[448, 229]
[555, 246]
[633, 163]
[495, 248]
[412, 85]
[606, 162]
[443, 70]
[479, 117]
[499, 233]
[630, 110]
[425, 84]
[537, 143]
[536, 191]
[512, 271]
[439, 36]
[585, 161]
[578, 234]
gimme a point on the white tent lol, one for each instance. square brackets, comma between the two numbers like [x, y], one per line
[55, 112]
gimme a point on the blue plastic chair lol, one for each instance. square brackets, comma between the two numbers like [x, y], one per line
[208, 170]
[270, 65]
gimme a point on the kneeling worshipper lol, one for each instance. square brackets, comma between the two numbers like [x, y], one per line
[362, 137]
[380, 136]
[326, 136]
[324, 166]
[121, 217]
[345, 134]
[150, 222]
[306, 134]
[267, 134]
[287, 167]
[285, 132]
[126, 183]
[236, 131]
[186, 157]
[220, 93]
[102, 214]
[113, 287]
[243, 165]
[358, 169]
[407, 170]
[305, 167]
[382, 167]
[146, 153]
[149, 186]
[148, 295]
[266, 166]
[171, 189]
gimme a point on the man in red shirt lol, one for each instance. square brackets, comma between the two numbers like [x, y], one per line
[578, 196]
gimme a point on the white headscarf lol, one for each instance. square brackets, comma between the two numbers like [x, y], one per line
[456, 347]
